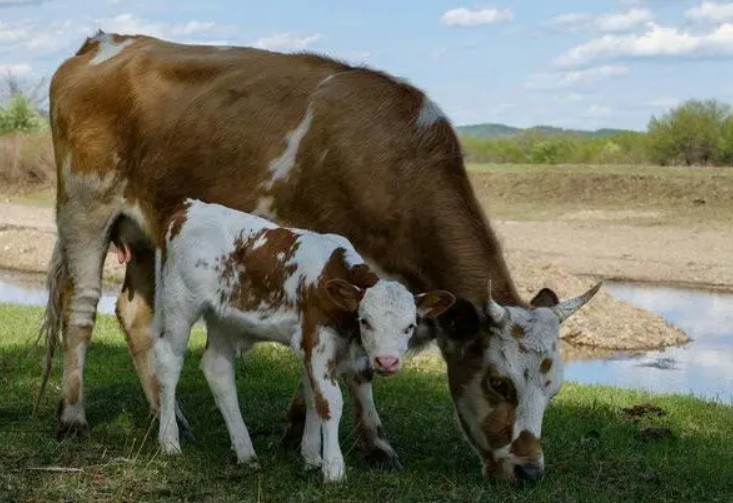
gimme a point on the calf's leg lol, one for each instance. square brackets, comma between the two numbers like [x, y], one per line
[217, 365]
[372, 440]
[134, 312]
[328, 402]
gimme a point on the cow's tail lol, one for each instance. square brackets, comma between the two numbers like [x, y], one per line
[52, 319]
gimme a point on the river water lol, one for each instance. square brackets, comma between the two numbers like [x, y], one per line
[703, 367]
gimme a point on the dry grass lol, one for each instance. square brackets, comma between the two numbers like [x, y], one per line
[26, 162]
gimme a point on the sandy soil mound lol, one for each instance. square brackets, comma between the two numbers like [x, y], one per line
[603, 323]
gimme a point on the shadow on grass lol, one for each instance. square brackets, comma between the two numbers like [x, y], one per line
[592, 449]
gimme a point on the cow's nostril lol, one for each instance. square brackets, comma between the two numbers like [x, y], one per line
[530, 472]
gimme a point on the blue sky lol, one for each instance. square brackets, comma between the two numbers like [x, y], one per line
[570, 63]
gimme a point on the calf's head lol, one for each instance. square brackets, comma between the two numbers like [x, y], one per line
[504, 366]
[387, 316]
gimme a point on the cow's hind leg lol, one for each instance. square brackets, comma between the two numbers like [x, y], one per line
[87, 208]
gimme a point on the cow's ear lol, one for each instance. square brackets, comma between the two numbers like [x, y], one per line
[545, 298]
[344, 295]
[462, 322]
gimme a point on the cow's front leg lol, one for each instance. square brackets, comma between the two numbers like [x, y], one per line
[327, 402]
[371, 439]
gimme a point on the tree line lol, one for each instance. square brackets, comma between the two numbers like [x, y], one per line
[695, 133]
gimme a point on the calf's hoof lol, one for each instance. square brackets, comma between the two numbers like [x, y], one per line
[170, 448]
[334, 471]
[252, 464]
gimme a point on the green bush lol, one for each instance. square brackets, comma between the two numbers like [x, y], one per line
[20, 116]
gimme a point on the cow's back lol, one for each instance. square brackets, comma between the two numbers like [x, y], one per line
[300, 139]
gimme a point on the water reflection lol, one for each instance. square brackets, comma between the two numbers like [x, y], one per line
[703, 367]
[18, 289]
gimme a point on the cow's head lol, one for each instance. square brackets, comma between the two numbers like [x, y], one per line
[387, 314]
[504, 366]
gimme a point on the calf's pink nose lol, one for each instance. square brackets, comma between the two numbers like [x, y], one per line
[388, 363]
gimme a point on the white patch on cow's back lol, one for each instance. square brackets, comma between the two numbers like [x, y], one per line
[430, 113]
[264, 209]
[281, 166]
[108, 48]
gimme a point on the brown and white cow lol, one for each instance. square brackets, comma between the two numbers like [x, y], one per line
[140, 125]
[254, 281]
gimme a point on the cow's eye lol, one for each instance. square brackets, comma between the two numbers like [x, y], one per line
[409, 329]
[364, 323]
[500, 386]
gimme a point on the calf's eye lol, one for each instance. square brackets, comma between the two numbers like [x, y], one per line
[364, 323]
[410, 328]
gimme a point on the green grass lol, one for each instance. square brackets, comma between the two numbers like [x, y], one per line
[594, 452]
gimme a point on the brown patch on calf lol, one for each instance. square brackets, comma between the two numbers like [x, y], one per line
[257, 275]
[526, 446]
[546, 365]
[179, 218]
[498, 425]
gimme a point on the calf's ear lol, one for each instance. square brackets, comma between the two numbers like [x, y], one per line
[345, 295]
[434, 303]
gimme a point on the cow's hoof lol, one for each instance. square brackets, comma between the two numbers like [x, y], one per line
[383, 457]
[293, 435]
[184, 432]
[73, 429]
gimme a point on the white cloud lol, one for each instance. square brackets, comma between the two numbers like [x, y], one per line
[712, 12]
[17, 69]
[129, 24]
[285, 41]
[10, 35]
[598, 112]
[467, 17]
[664, 103]
[607, 23]
[194, 28]
[17, 3]
[563, 80]
[656, 41]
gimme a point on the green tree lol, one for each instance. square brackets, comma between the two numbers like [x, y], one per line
[691, 133]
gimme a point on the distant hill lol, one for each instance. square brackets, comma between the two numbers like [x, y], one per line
[497, 130]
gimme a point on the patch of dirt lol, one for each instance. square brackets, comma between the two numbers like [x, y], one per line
[643, 410]
[655, 434]
[604, 322]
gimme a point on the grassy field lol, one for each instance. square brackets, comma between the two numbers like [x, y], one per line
[595, 452]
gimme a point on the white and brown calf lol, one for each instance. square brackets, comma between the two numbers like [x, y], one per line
[253, 281]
